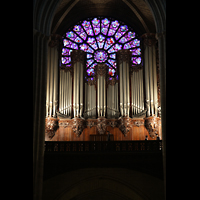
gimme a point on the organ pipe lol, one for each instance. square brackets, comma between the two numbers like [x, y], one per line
[78, 60]
[123, 59]
[52, 76]
[150, 74]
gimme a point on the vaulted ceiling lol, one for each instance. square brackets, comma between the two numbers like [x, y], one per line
[134, 13]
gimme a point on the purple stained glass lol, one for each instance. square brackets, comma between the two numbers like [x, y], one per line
[96, 26]
[66, 52]
[111, 72]
[109, 42]
[68, 43]
[100, 38]
[136, 60]
[104, 26]
[92, 42]
[100, 41]
[89, 62]
[71, 35]
[113, 27]
[136, 51]
[90, 71]
[121, 31]
[88, 28]
[89, 55]
[66, 60]
[100, 56]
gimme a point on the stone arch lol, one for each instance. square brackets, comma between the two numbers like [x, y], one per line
[87, 183]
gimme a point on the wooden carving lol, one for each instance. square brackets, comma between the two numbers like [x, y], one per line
[151, 124]
[78, 56]
[102, 69]
[51, 125]
[78, 125]
[149, 39]
[101, 125]
[124, 125]
[123, 55]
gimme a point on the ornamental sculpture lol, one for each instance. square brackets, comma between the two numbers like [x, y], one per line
[124, 125]
[101, 125]
[51, 126]
[151, 124]
[78, 125]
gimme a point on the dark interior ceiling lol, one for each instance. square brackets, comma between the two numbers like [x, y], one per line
[134, 13]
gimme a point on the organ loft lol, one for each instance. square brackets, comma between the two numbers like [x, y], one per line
[102, 78]
[99, 99]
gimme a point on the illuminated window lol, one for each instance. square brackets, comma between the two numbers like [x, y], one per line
[101, 38]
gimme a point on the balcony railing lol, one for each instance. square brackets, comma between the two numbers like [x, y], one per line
[103, 146]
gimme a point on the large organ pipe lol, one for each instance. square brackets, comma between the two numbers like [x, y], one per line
[147, 80]
[48, 83]
[124, 87]
[150, 74]
[155, 82]
[123, 59]
[81, 89]
[104, 102]
[74, 90]
[121, 86]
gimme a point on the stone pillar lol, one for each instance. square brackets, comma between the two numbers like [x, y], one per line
[162, 66]
[40, 44]
[123, 60]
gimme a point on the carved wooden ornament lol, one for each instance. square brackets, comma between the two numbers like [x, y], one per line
[51, 126]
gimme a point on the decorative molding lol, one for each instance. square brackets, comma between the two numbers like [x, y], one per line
[101, 69]
[92, 82]
[149, 39]
[55, 40]
[123, 55]
[51, 126]
[78, 56]
[112, 81]
[78, 125]
[151, 124]
[101, 125]
[124, 125]
[136, 68]
[91, 123]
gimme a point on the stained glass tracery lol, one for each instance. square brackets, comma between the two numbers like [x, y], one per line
[101, 38]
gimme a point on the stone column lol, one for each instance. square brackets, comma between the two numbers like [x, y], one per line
[40, 45]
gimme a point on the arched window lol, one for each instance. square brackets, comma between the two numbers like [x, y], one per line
[101, 38]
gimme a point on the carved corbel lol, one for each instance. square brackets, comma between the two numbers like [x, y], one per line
[124, 125]
[51, 126]
[78, 125]
[101, 69]
[151, 124]
[101, 125]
